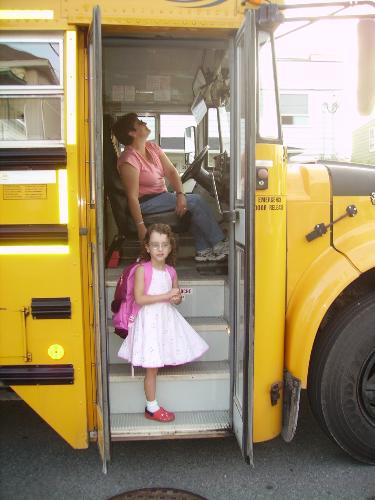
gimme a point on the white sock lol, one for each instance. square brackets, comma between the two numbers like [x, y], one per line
[152, 406]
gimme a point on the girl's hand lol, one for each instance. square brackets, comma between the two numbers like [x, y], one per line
[173, 292]
[175, 296]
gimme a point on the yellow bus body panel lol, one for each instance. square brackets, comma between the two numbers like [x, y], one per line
[12, 204]
[322, 282]
[308, 204]
[270, 275]
[140, 14]
[355, 236]
[22, 278]
[32, 269]
[317, 271]
[71, 410]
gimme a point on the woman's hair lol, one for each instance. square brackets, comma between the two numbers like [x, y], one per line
[123, 126]
[161, 229]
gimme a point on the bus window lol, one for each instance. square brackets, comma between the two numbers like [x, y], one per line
[151, 124]
[31, 92]
[172, 137]
[218, 131]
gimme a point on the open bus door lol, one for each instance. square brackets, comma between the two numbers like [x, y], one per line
[243, 193]
[97, 208]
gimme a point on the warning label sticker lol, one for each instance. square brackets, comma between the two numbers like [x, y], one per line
[25, 192]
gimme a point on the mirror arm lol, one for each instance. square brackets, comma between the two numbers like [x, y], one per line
[219, 130]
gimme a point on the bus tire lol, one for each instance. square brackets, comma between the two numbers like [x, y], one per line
[341, 382]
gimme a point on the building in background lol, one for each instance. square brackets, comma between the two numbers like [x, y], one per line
[363, 150]
[312, 105]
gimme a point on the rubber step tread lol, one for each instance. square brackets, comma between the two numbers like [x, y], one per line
[135, 424]
[199, 323]
[185, 278]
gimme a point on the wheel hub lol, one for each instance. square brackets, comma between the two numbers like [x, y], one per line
[367, 388]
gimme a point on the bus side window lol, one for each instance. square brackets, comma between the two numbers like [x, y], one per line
[31, 91]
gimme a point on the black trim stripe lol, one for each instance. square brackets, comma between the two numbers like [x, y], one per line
[18, 233]
[51, 308]
[32, 158]
[37, 374]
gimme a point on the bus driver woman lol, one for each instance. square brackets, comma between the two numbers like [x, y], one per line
[142, 167]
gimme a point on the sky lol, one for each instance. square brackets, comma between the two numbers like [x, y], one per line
[336, 39]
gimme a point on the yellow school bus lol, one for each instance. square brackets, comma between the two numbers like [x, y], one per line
[294, 306]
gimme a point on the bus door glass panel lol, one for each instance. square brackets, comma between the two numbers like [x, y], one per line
[240, 227]
[243, 193]
[97, 203]
[268, 121]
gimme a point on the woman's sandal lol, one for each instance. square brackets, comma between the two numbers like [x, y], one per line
[161, 415]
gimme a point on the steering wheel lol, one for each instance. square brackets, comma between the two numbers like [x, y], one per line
[194, 168]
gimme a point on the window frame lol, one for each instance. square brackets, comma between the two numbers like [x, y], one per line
[37, 91]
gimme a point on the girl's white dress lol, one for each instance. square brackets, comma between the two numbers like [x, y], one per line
[159, 335]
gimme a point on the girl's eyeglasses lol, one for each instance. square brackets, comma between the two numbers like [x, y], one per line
[155, 246]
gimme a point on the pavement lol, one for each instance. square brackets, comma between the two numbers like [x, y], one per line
[35, 463]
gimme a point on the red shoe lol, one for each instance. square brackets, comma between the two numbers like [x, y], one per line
[161, 415]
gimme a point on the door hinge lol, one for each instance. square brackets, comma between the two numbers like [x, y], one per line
[275, 392]
[231, 216]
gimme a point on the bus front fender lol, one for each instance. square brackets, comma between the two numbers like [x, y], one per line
[319, 286]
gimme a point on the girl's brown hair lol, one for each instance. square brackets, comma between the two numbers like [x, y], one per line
[161, 229]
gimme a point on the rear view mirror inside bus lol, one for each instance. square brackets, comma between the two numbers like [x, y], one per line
[190, 143]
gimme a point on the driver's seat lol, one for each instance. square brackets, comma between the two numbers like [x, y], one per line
[118, 200]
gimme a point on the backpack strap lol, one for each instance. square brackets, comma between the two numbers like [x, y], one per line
[172, 272]
[147, 267]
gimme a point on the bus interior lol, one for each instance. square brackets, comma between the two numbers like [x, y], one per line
[181, 89]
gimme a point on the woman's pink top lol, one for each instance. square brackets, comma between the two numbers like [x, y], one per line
[151, 172]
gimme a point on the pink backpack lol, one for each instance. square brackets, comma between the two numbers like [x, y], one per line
[123, 306]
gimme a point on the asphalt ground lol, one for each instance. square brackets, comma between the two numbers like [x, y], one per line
[35, 463]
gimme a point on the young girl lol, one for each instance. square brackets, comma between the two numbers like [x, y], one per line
[159, 335]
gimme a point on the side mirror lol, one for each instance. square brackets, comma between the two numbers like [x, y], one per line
[366, 66]
[190, 144]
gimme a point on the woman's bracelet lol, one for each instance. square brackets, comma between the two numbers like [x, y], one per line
[139, 223]
[180, 192]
